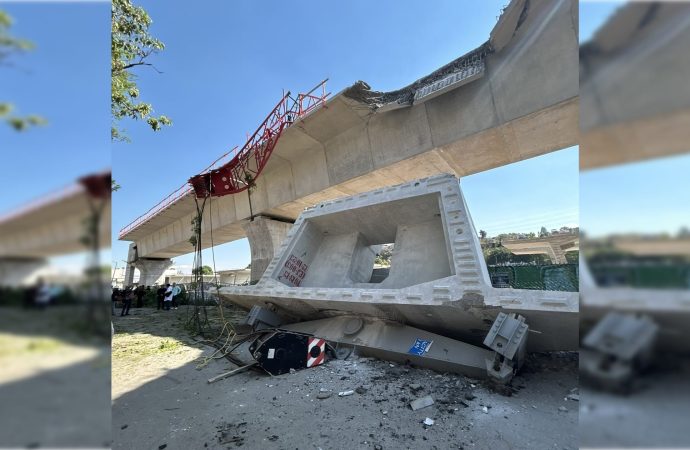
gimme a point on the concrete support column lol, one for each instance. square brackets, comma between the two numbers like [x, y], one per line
[150, 270]
[557, 254]
[129, 275]
[19, 271]
[265, 236]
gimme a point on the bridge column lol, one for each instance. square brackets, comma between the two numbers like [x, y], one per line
[265, 236]
[557, 254]
[19, 271]
[150, 270]
[129, 275]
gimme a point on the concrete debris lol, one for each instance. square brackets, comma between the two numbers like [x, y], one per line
[428, 422]
[422, 402]
[345, 393]
[361, 91]
[485, 410]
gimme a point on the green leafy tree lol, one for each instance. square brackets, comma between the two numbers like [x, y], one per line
[383, 258]
[130, 47]
[10, 45]
[205, 270]
[497, 255]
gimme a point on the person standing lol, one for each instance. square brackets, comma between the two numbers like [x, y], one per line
[160, 295]
[114, 297]
[168, 297]
[176, 291]
[127, 301]
[140, 296]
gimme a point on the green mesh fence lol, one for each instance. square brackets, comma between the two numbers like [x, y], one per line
[643, 274]
[551, 277]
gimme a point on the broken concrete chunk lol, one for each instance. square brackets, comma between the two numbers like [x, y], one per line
[345, 393]
[428, 422]
[421, 402]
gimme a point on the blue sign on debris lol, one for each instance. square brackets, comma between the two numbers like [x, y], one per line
[420, 347]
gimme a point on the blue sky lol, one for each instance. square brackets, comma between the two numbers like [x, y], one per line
[66, 79]
[593, 15]
[219, 85]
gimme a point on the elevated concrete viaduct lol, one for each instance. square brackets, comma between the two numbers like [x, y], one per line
[513, 98]
[51, 226]
[555, 247]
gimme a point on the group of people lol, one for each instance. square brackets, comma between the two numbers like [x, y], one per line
[165, 297]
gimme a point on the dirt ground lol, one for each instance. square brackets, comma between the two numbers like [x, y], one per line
[161, 399]
[54, 380]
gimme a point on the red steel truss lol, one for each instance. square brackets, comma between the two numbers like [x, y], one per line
[245, 165]
[242, 171]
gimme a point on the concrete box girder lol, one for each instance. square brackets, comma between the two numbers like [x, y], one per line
[440, 282]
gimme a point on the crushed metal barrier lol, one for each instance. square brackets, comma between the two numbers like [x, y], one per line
[617, 349]
[285, 348]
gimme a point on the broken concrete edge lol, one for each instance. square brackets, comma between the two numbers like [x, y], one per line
[361, 92]
[510, 19]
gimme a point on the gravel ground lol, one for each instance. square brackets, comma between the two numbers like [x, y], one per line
[178, 409]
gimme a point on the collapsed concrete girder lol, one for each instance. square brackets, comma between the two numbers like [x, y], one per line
[438, 279]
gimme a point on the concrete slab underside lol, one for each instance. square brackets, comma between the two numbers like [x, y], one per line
[437, 282]
[631, 110]
[53, 228]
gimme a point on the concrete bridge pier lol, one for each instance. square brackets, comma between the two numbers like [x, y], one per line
[150, 270]
[265, 236]
[19, 271]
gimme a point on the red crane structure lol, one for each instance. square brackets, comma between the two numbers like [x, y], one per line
[245, 164]
[244, 168]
